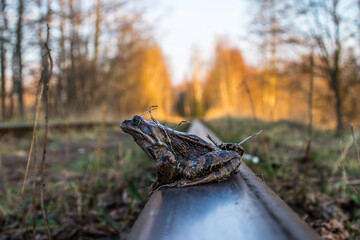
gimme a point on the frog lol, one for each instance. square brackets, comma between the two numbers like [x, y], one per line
[182, 159]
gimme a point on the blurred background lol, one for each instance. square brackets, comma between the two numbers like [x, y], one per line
[263, 59]
[288, 67]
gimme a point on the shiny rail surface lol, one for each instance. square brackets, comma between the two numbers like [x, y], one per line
[20, 129]
[241, 208]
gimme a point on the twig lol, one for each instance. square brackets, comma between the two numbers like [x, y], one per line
[154, 107]
[211, 139]
[184, 121]
[248, 91]
[46, 87]
[29, 157]
[341, 159]
[355, 143]
[344, 171]
[152, 117]
[249, 137]
[346, 178]
[39, 90]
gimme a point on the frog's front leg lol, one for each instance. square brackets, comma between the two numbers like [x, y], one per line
[154, 185]
[165, 167]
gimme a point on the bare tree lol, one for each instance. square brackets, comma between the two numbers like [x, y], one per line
[71, 84]
[17, 60]
[324, 22]
[269, 27]
[4, 28]
[61, 56]
[45, 19]
[96, 49]
[225, 75]
[310, 108]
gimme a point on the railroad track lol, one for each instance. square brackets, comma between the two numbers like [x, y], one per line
[241, 208]
[20, 129]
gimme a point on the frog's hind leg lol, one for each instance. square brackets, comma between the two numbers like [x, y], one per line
[208, 163]
[225, 170]
[232, 147]
[221, 174]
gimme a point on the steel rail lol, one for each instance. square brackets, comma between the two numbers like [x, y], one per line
[242, 207]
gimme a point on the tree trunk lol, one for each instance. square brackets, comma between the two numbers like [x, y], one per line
[335, 74]
[338, 103]
[3, 58]
[61, 61]
[44, 19]
[71, 85]
[310, 109]
[17, 61]
[93, 83]
[11, 109]
[330, 54]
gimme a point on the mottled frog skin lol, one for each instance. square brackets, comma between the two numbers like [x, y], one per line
[183, 159]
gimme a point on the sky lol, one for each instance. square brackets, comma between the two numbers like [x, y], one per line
[181, 26]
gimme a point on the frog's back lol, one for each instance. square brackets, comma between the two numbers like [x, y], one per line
[187, 146]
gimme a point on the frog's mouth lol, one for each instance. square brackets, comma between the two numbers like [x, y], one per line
[136, 133]
[127, 127]
[141, 136]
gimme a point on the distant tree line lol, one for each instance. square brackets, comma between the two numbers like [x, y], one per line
[105, 55]
[103, 52]
[301, 42]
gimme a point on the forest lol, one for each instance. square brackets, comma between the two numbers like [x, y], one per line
[104, 53]
[101, 61]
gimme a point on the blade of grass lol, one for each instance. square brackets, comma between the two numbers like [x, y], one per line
[134, 192]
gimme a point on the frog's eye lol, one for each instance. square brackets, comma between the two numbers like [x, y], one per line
[136, 120]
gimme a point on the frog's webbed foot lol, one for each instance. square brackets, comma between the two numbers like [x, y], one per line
[154, 185]
[153, 189]
[180, 183]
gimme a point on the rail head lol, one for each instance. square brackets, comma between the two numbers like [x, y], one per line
[241, 208]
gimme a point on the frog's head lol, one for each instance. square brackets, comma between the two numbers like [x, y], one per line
[147, 135]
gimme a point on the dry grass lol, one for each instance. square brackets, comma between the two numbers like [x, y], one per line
[87, 193]
[97, 180]
[312, 188]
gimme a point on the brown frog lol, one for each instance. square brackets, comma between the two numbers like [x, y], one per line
[183, 159]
